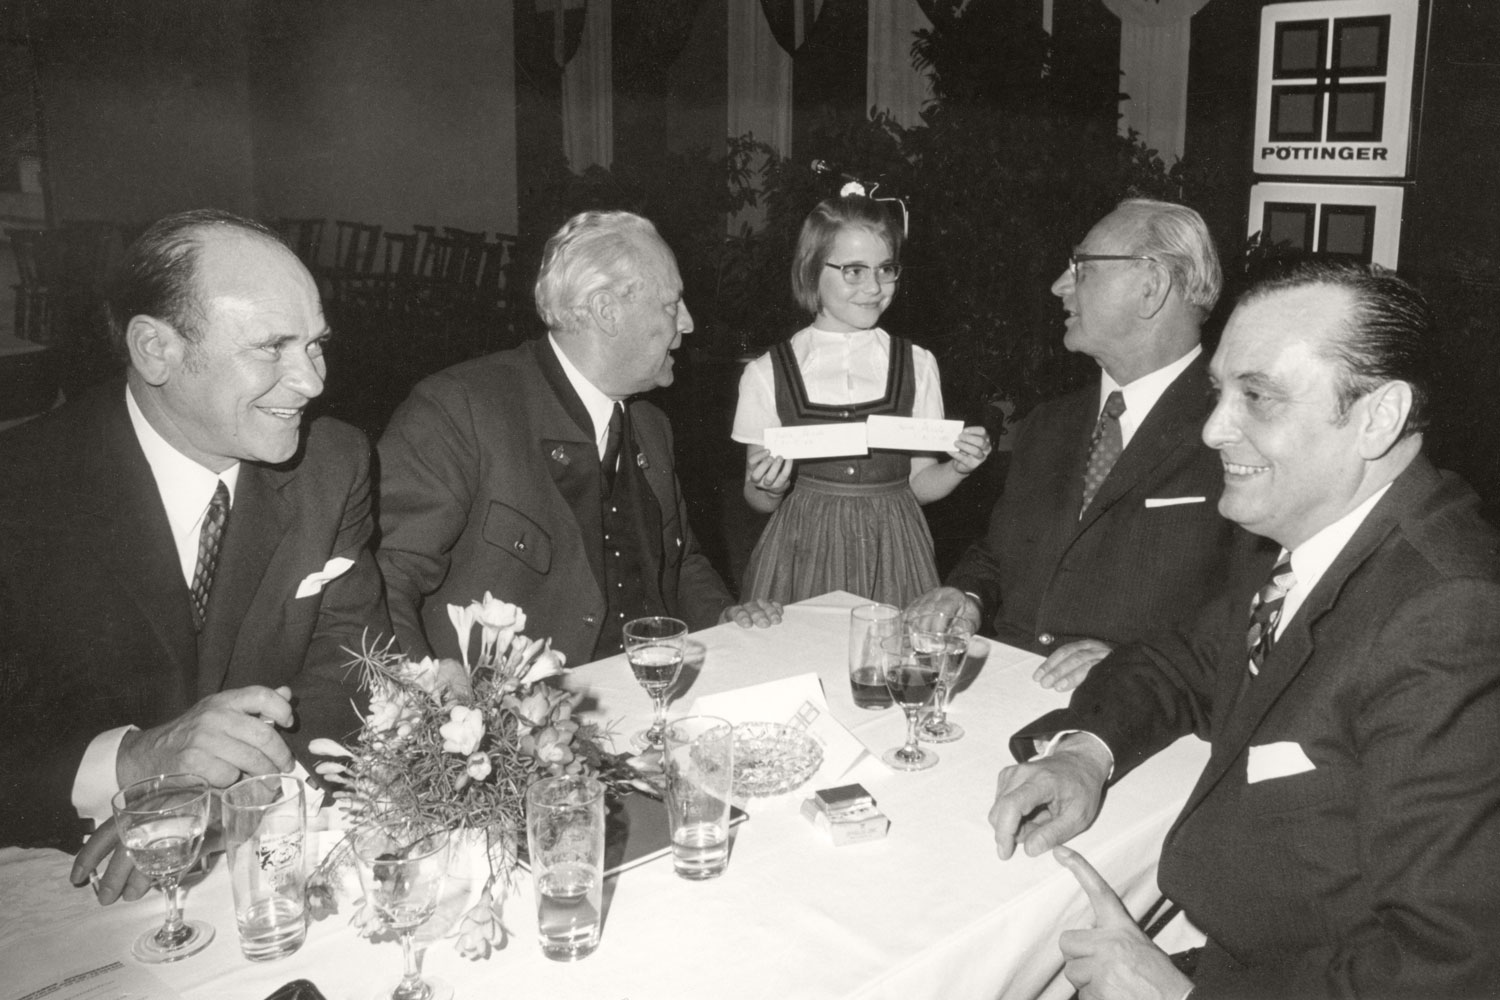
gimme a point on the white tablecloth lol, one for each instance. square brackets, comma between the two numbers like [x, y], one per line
[929, 911]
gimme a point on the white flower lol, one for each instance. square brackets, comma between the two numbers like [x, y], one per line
[463, 730]
[463, 623]
[389, 709]
[479, 765]
[480, 931]
[499, 623]
[324, 747]
[547, 663]
[445, 680]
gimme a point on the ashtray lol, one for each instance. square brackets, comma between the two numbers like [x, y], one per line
[771, 758]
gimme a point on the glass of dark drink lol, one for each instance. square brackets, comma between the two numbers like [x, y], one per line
[869, 624]
[912, 680]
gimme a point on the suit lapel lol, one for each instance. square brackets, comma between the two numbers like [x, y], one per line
[1175, 422]
[134, 538]
[1294, 648]
[258, 522]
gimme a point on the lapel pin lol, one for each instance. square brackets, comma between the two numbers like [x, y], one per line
[560, 455]
[640, 459]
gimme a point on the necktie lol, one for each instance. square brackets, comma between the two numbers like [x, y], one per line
[208, 552]
[611, 459]
[1265, 612]
[1104, 447]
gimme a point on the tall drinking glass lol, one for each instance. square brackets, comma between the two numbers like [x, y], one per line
[401, 866]
[265, 834]
[161, 822]
[912, 679]
[654, 646]
[565, 844]
[868, 625]
[943, 639]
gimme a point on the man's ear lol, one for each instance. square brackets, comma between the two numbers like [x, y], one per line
[1384, 418]
[604, 309]
[156, 348]
[1156, 287]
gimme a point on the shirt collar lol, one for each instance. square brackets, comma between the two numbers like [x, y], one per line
[1141, 395]
[599, 406]
[185, 486]
[1313, 557]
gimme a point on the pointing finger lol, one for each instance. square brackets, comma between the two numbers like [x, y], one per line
[1108, 910]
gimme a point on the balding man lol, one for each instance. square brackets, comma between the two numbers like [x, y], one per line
[535, 475]
[183, 552]
[1107, 527]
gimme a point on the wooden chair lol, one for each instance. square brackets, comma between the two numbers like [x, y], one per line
[356, 245]
[39, 263]
[304, 236]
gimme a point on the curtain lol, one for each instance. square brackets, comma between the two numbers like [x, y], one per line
[1154, 37]
[588, 95]
[760, 89]
[891, 84]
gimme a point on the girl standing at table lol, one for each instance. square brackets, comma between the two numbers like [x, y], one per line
[851, 523]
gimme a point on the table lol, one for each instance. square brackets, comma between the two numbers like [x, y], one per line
[929, 911]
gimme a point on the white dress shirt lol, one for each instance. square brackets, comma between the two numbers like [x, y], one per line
[600, 406]
[837, 368]
[1312, 558]
[1142, 394]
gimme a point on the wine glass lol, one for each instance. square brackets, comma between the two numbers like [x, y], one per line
[912, 679]
[945, 640]
[654, 647]
[401, 866]
[161, 822]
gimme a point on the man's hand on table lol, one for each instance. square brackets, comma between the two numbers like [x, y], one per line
[1050, 800]
[221, 737]
[1115, 960]
[759, 613]
[948, 601]
[1069, 664]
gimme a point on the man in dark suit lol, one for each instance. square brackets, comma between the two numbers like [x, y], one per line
[181, 550]
[533, 475]
[1343, 838]
[1106, 528]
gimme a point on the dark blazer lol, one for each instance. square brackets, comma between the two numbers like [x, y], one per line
[95, 620]
[489, 481]
[1373, 874]
[1045, 576]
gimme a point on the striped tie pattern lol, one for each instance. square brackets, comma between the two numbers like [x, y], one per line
[1265, 612]
[208, 552]
[1104, 448]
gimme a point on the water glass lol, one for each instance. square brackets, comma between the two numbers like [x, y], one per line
[402, 865]
[161, 822]
[265, 831]
[565, 839]
[699, 766]
[655, 647]
[868, 625]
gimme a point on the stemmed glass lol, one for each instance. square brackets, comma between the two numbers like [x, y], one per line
[161, 822]
[654, 647]
[912, 679]
[945, 640]
[401, 866]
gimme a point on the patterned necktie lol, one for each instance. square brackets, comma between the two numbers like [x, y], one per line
[611, 459]
[208, 552]
[1265, 612]
[1104, 448]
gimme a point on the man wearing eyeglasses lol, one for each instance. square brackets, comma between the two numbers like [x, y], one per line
[1108, 527]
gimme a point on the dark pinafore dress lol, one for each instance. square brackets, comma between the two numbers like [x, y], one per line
[848, 523]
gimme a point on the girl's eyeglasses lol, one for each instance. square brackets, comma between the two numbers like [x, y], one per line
[858, 274]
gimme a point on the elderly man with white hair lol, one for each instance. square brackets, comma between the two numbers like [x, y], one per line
[533, 473]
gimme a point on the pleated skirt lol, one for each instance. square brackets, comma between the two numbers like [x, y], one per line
[867, 538]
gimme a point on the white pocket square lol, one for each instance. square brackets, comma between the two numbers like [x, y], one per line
[1172, 501]
[315, 582]
[1277, 760]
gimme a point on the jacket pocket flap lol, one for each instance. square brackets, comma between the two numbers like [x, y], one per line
[508, 529]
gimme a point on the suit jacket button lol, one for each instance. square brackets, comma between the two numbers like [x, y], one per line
[1046, 638]
[588, 619]
[849, 470]
[520, 545]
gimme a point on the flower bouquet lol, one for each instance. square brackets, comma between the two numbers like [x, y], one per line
[456, 743]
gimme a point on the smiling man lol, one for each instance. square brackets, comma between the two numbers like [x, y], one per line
[1107, 529]
[535, 475]
[1343, 838]
[183, 553]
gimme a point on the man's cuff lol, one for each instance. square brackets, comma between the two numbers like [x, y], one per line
[95, 783]
[1045, 748]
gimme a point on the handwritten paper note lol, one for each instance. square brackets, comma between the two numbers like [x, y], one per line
[913, 433]
[817, 440]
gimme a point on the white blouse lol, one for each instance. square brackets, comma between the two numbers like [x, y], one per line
[837, 368]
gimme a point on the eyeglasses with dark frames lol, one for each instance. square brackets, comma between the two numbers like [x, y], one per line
[855, 274]
[1083, 258]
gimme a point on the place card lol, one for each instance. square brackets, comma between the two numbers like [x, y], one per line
[912, 433]
[817, 441]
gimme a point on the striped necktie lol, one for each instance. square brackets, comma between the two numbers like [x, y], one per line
[1265, 612]
[208, 552]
